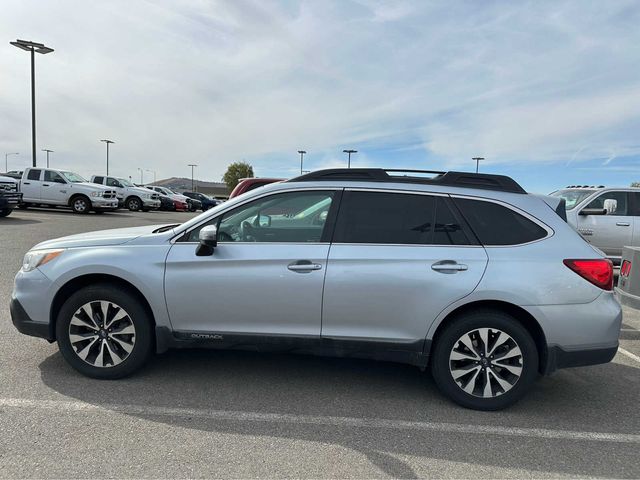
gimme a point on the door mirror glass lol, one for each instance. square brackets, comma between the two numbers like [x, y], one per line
[610, 206]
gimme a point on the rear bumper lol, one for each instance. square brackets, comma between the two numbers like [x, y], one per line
[26, 325]
[628, 299]
[558, 357]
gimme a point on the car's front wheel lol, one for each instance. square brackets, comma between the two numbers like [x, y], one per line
[134, 204]
[4, 212]
[80, 204]
[104, 332]
[484, 360]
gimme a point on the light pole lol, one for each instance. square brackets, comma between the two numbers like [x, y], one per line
[6, 162]
[478, 160]
[34, 48]
[141, 179]
[349, 152]
[301, 152]
[192, 165]
[48, 152]
[107, 142]
[154, 174]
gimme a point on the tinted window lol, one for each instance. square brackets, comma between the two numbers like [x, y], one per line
[112, 182]
[495, 224]
[390, 218]
[33, 175]
[620, 197]
[282, 218]
[98, 180]
[51, 176]
[635, 201]
[449, 229]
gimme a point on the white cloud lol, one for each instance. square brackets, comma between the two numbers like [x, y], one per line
[212, 82]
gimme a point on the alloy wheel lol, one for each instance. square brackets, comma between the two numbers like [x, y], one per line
[80, 205]
[486, 362]
[102, 333]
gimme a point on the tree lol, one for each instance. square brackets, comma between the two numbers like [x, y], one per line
[635, 184]
[235, 172]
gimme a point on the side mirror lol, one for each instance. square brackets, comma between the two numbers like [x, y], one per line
[208, 238]
[263, 221]
[610, 206]
[593, 211]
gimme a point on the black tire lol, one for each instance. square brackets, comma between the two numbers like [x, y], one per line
[469, 322]
[5, 212]
[136, 315]
[23, 206]
[134, 204]
[80, 204]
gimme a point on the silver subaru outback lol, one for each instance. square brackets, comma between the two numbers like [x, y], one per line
[466, 274]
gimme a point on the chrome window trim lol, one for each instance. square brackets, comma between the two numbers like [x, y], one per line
[256, 197]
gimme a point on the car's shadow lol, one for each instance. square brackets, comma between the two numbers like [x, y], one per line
[579, 399]
[13, 220]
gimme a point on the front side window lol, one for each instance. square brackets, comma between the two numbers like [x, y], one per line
[51, 176]
[397, 218]
[33, 175]
[72, 177]
[495, 224]
[112, 182]
[572, 196]
[292, 217]
[620, 198]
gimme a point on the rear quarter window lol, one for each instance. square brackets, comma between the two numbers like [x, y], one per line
[495, 224]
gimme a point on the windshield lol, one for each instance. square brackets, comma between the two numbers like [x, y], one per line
[126, 183]
[72, 177]
[573, 196]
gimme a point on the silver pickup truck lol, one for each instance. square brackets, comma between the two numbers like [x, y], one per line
[608, 218]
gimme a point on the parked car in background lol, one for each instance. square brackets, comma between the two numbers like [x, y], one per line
[132, 197]
[182, 202]
[464, 273]
[10, 197]
[248, 184]
[14, 174]
[206, 201]
[608, 218]
[166, 203]
[51, 187]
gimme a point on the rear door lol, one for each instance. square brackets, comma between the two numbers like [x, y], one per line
[609, 232]
[396, 261]
[31, 185]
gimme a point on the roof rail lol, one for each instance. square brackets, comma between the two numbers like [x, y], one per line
[455, 179]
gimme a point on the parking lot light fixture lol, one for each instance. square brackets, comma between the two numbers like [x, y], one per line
[192, 165]
[107, 142]
[478, 160]
[6, 161]
[34, 48]
[48, 152]
[349, 152]
[141, 178]
[154, 174]
[301, 152]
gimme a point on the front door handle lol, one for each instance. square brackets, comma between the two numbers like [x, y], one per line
[303, 266]
[45, 184]
[448, 266]
[623, 224]
[26, 183]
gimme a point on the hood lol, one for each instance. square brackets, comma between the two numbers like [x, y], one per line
[141, 190]
[7, 179]
[92, 186]
[116, 236]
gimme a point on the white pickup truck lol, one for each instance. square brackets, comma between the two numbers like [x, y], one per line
[132, 197]
[9, 195]
[46, 186]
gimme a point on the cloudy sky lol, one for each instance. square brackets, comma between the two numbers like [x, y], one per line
[548, 92]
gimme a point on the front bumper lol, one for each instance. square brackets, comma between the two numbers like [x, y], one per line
[99, 203]
[10, 200]
[149, 203]
[26, 325]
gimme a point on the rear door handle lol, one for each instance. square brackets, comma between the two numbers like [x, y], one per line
[449, 266]
[303, 266]
[26, 183]
[45, 184]
[623, 224]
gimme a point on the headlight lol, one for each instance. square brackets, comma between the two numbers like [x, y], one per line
[96, 194]
[36, 258]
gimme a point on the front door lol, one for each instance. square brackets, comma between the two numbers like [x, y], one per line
[398, 259]
[609, 232]
[54, 188]
[266, 275]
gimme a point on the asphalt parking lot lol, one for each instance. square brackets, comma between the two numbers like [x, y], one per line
[236, 414]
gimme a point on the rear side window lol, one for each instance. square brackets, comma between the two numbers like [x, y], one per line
[495, 224]
[33, 175]
[397, 218]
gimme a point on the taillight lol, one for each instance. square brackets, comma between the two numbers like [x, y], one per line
[625, 268]
[598, 271]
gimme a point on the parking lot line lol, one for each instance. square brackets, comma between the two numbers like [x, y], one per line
[629, 354]
[352, 422]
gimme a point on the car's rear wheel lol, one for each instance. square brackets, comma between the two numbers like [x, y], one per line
[104, 332]
[80, 204]
[484, 360]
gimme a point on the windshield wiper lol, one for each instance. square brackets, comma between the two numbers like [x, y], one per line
[165, 228]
